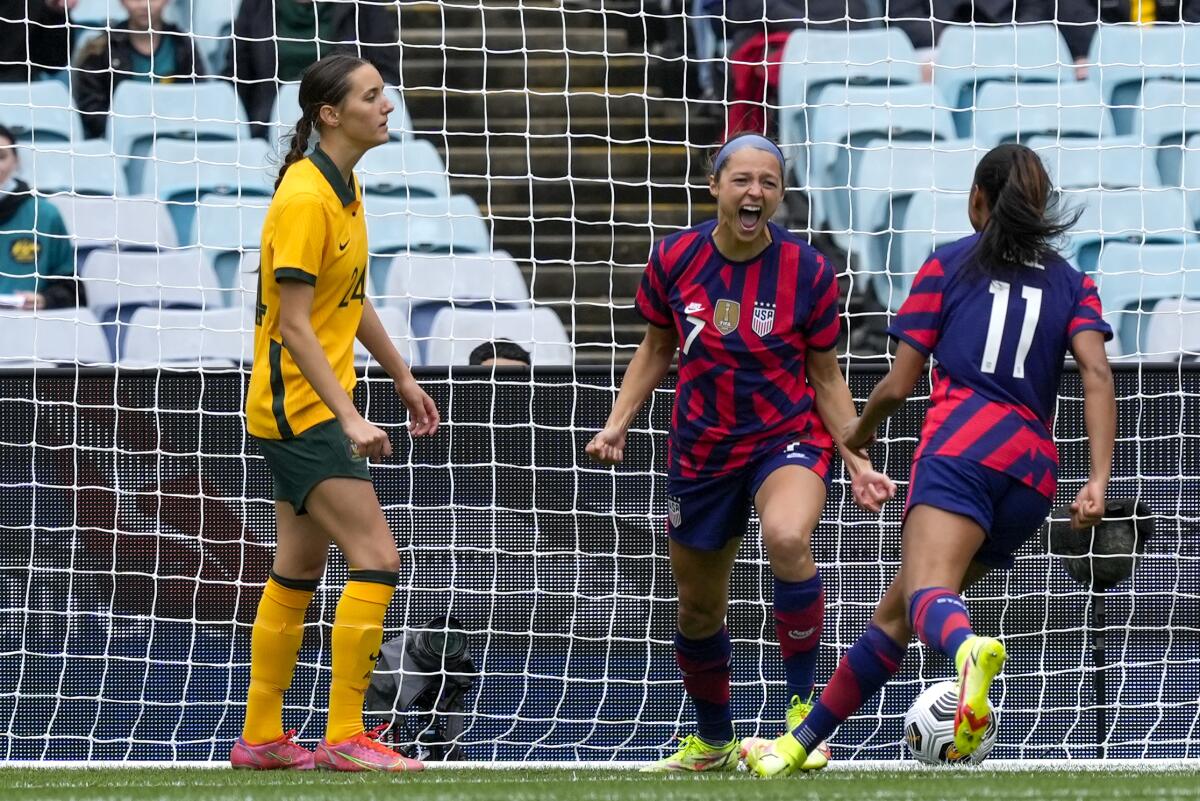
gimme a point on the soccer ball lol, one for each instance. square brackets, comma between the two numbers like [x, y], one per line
[929, 728]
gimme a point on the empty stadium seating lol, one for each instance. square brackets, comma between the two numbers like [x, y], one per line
[457, 332]
[86, 167]
[188, 338]
[40, 112]
[1173, 330]
[1132, 277]
[51, 336]
[407, 169]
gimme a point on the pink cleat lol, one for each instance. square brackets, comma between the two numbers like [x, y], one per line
[274, 755]
[363, 752]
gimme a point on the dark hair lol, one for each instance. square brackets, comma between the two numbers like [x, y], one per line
[710, 166]
[6, 133]
[324, 83]
[500, 349]
[1023, 207]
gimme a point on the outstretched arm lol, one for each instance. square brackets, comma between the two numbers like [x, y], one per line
[645, 372]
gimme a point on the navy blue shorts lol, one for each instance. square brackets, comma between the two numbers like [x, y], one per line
[1008, 511]
[707, 513]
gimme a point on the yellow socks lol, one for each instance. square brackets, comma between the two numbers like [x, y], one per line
[357, 635]
[274, 645]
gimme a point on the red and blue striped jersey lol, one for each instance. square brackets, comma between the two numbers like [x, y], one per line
[745, 329]
[999, 347]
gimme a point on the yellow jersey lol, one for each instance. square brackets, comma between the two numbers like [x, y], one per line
[315, 232]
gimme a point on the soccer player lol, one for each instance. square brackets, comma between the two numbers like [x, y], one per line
[756, 311]
[998, 310]
[311, 305]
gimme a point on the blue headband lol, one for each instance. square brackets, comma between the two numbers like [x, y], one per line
[741, 143]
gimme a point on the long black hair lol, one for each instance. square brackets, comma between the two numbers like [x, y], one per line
[1024, 215]
[324, 83]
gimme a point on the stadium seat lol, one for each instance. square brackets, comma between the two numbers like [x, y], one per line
[397, 328]
[1014, 112]
[426, 225]
[457, 332]
[933, 219]
[179, 173]
[420, 286]
[247, 279]
[1124, 215]
[226, 227]
[1168, 114]
[1191, 174]
[1174, 330]
[406, 169]
[52, 336]
[40, 112]
[145, 112]
[970, 56]
[97, 13]
[88, 167]
[885, 177]
[846, 119]
[187, 338]
[1132, 277]
[1084, 162]
[137, 223]
[287, 111]
[814, 59]
[1124, 56]
[118, 280]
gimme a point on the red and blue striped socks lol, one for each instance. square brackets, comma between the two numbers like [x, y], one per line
[939, 618]
[705, 667]
[799, 620]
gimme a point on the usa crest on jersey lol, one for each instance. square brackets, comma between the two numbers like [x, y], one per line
[673, 511]
[763, 321]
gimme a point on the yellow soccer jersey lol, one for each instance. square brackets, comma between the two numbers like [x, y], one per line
[315, 232]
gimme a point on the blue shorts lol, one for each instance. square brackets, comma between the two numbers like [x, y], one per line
[707, 513]
[1008, 511]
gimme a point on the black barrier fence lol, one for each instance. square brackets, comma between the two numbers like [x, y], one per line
[137, 531]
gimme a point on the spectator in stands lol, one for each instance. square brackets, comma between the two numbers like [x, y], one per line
[142, 48]
[34, 39]
[37, 267]
[500, 353]
[275, 40]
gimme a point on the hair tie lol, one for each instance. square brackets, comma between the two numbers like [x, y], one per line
[756, 141]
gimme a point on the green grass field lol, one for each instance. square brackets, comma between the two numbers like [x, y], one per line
[562, 784]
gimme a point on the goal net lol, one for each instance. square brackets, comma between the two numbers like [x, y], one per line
[538, 148]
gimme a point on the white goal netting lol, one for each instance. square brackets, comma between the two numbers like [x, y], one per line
[538, 148]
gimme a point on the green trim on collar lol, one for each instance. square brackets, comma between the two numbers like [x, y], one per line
[345, 192]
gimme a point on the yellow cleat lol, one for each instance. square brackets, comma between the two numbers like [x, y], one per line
[796, 713]
[767, 759]
[979, 661]
[696, 755]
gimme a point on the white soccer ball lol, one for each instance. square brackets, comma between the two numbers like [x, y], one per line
[929, 728]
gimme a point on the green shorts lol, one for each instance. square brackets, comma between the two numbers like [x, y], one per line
[300, 463]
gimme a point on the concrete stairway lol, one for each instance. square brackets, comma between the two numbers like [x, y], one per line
[559, 130]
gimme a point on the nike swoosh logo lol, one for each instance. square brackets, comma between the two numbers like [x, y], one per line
[373, 657]
[343, 246]
[693, 308]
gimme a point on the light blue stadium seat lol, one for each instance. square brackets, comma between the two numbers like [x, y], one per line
[970, 56]
[1085, 162]
[287, 111]
[846, 119]
[815, 59]
[145, 112]
[83, 168]
[933, 219]
[188, 338]
[420, 285]
[457, 332]
[226, 228]
[1173, 331]
[40, 112]
[1014, 112]
[886, 176]
[1168, 114]
[407, 169]
[1191, 174]
[1131, 278]
[52, 336]
[129, 224]
[397, 329]
[1124, 215]
[426, 225]
[179, 173]
[97, 13]
[1124, 56]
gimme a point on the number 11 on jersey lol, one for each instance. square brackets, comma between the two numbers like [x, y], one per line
[1033, 308]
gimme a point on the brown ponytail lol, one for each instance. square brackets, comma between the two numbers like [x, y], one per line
[1024, 218]
[324, 83]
